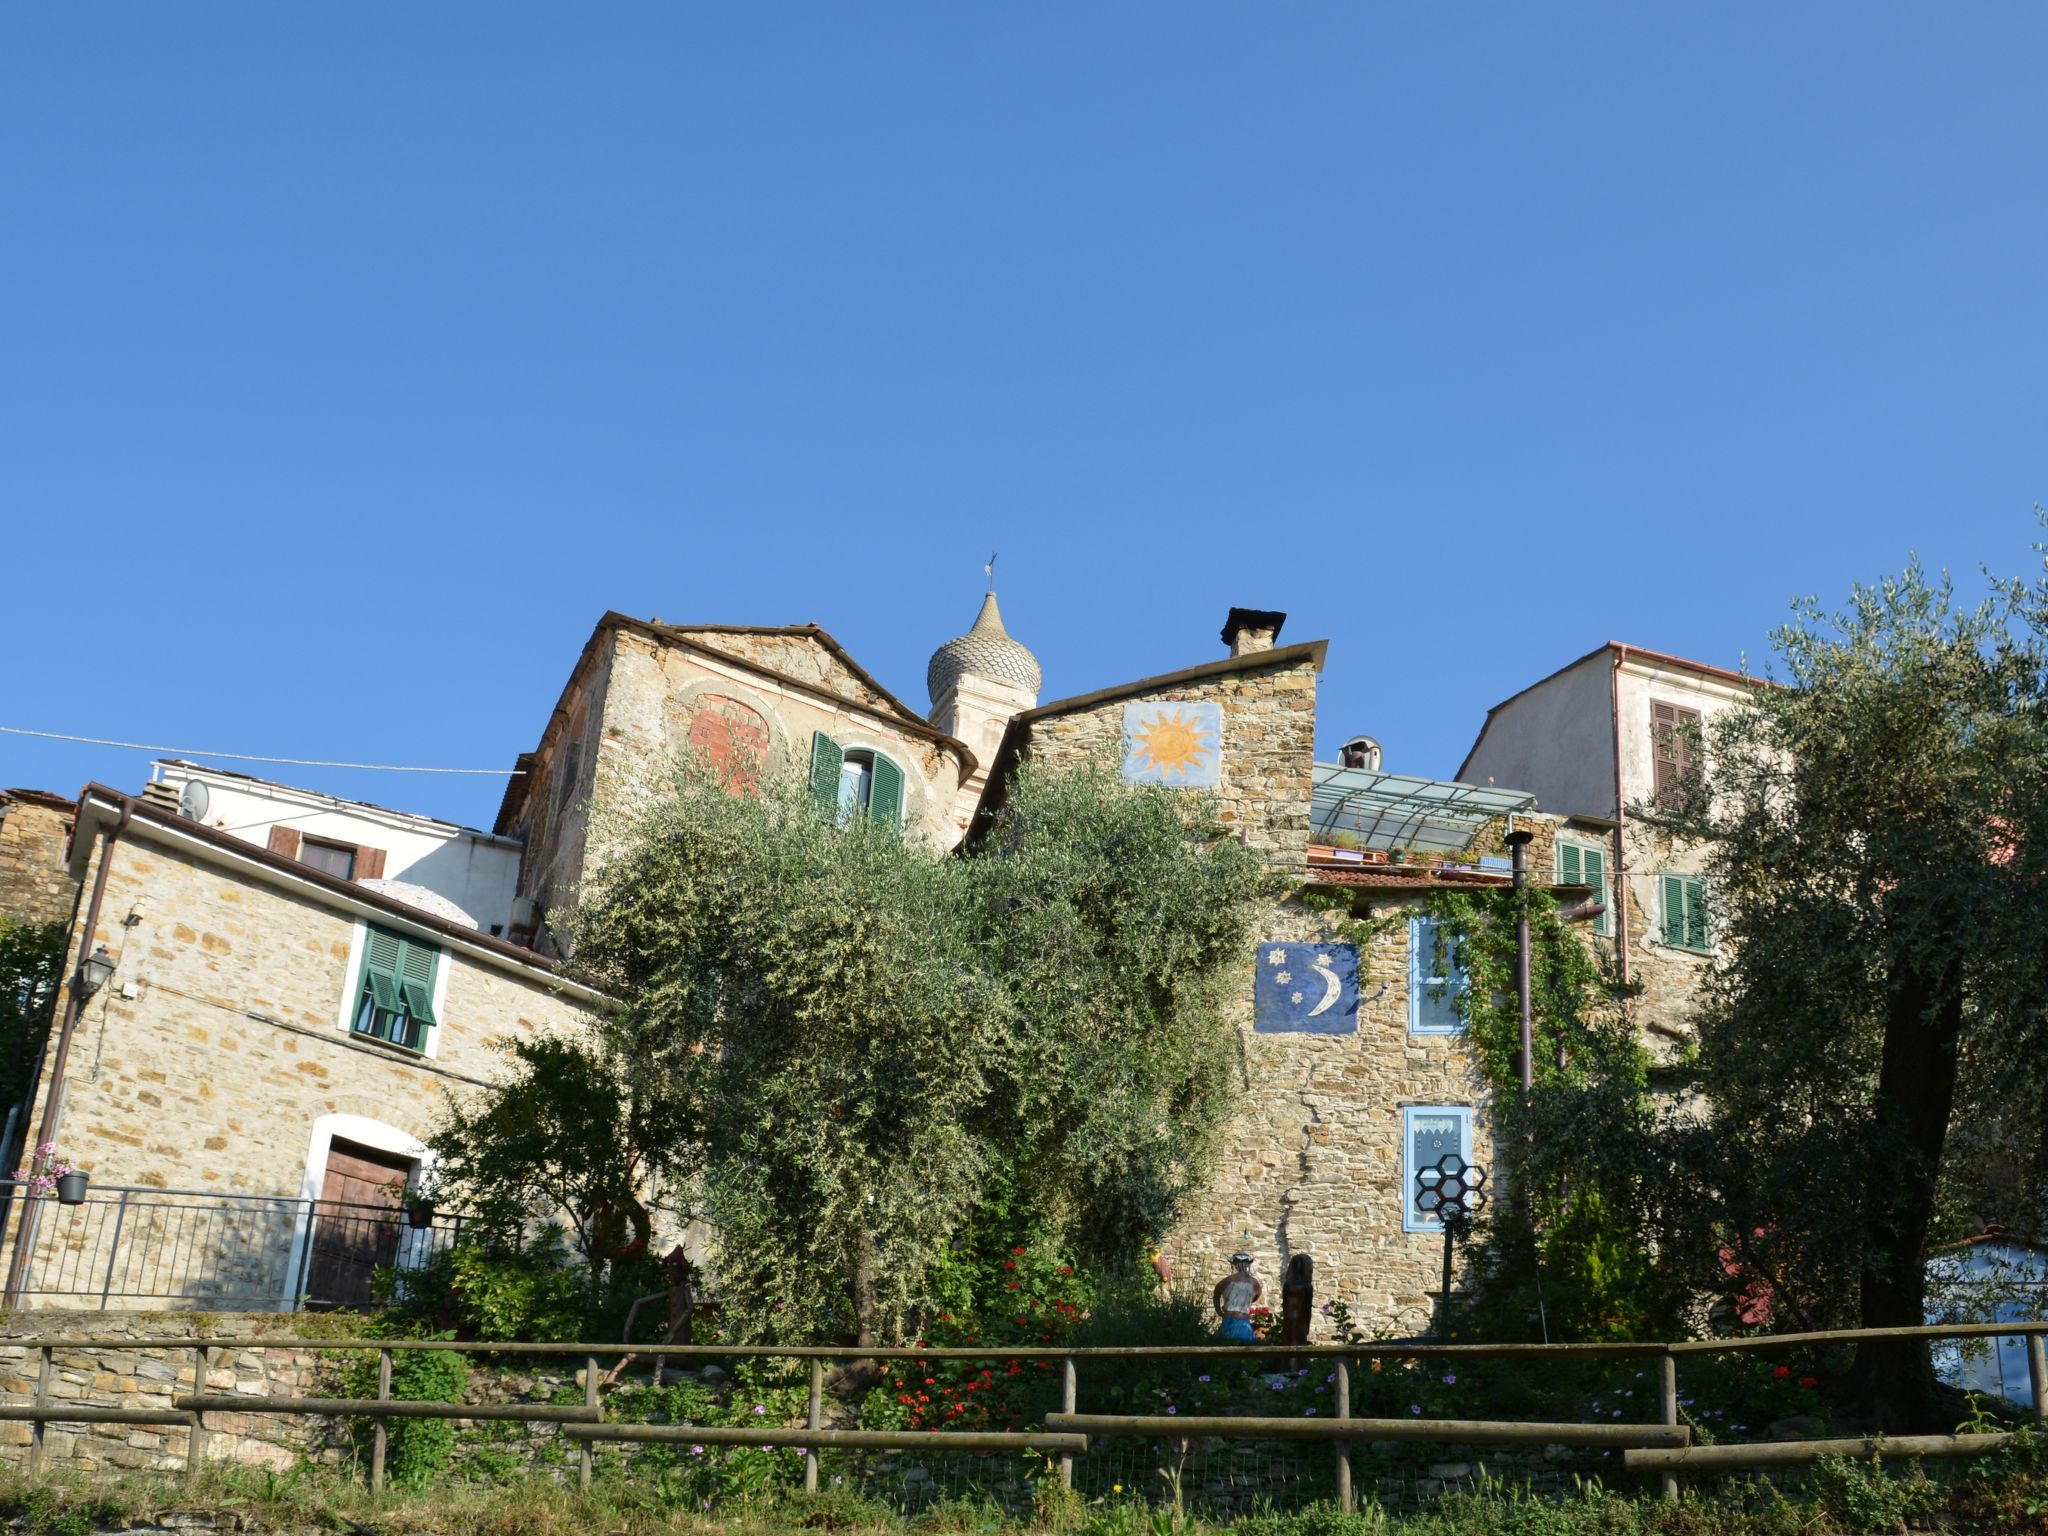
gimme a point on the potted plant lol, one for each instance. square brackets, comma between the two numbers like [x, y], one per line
[419, 1209]
[46, 1173]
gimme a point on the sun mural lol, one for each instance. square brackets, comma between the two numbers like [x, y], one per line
[1178, 744]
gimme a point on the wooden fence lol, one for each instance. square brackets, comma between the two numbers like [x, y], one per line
[1664, 1446]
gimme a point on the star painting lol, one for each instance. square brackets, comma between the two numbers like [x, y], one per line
[1309, 989]
[1174, 743]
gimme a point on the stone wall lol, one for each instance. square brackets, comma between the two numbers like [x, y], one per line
[222, 1044]
[1268, 754]
[1313, 1164]
[35, 837]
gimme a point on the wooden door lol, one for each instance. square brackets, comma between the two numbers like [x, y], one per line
[355, 1225]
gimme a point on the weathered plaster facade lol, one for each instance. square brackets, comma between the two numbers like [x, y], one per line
[1584, 740]
[643, 694]
[35, 836]
[220, 1057]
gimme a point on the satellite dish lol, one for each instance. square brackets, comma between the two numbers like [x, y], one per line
[193, 802]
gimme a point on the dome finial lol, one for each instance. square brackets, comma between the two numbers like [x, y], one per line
[986, 650]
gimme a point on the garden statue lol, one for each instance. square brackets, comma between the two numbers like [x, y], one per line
[1236, 1294]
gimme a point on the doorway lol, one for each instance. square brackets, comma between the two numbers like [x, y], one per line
[356, 1224]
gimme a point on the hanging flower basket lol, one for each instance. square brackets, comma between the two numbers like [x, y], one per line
[71, 1187]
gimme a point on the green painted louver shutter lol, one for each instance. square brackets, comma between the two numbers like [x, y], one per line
[1568, 866]
[1685, 912]
[416, 981]
[1695, 914]
[1593, 871]
[381, 954]
[885, 799]
[826, 757]
[1673, 893]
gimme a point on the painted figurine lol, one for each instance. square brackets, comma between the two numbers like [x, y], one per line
[1236, 1294]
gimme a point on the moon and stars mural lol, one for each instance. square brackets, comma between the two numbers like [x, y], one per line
[1307, 989]
[1175, 743]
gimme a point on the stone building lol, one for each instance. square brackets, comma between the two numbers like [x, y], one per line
[250, 1083]
[747, 700]
[1356, 1071]
[1611, 741]
[35, 834]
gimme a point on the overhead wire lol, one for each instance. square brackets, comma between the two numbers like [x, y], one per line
[253, 757]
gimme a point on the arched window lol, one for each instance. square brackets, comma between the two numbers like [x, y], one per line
[856, 781]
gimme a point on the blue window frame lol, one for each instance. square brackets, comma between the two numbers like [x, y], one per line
[1428, 1132]
[1436, 980]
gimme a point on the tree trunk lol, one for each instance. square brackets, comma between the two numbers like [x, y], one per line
[864, 1294]
[1893, 1379]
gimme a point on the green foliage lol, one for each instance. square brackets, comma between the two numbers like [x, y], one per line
[1864, 1497]
[580, 1130]
[416, 1450]
[508, 1291]
[1879, 836]
[1316, 1520]
[862, 1033]
[31, 955]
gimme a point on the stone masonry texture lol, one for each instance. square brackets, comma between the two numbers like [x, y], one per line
[1313, 1163]
[35, 836]
[207, 1061]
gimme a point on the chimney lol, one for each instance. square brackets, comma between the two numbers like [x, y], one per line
[1252, 629]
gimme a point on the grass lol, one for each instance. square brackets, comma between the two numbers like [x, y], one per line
[2002, 1496]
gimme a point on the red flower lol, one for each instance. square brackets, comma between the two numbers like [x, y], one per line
[1009, 1263]
[929, 1382]
[1018, 1251]
[1808, 1381]
[1782, 1372]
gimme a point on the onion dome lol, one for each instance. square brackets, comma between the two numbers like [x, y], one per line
[986, 651]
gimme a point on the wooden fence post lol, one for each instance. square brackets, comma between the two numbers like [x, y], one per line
[1667, 1397]
[1068, 1389]
[380, 1433]
[195, 1442]
[815, 1419]
[2037, 1373]
[1347, 1501]
[37, 1449]
[589, 1401]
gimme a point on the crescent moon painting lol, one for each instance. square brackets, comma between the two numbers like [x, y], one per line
[1306, 989]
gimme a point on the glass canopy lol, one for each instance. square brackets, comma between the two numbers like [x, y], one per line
[1364, 808]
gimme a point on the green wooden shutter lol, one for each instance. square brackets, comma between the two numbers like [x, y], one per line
[416, 980]
[885, 796]
[1695, 913]
[1593, 865]
[381, 954]
[1568, 868]
[826, 758]
[1672, 891]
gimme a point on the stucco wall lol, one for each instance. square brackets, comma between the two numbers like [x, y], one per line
[221, 1046]
[1554, 742]
[472, 869]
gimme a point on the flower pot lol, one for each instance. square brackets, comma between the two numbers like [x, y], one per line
[421, 1215]
[71, 1188]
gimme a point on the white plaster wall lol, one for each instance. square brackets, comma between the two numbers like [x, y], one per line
[1643, 682]
[1555, 742]
[476, 871]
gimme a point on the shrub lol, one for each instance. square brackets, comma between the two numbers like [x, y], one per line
[415, 1449]
[1866, 1499]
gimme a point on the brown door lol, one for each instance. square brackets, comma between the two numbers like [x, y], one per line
[355, 1225]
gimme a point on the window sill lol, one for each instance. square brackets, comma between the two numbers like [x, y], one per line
[389, 1047]
[1438, 1034]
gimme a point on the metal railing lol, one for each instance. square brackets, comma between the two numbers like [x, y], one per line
[209, 1250]
[1663, 1446]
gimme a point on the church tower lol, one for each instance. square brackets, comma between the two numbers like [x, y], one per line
[977, 682]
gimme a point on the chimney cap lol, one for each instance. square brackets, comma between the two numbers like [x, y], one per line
[1241, 619]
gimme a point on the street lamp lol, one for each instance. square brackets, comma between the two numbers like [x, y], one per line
[96, 971]
[1453, 1191]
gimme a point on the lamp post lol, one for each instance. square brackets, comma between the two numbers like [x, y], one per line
[1452, 1190]
[95, 971]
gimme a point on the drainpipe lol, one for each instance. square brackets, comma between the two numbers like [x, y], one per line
[74, 1008]
[1621, 933]
[1518, 842]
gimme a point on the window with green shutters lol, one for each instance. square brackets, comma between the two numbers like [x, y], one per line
[1685, 911]
[395, 997]
[1581, 864]
[855, 781]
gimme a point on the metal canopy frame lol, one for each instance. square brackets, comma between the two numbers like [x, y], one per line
[1393, 810]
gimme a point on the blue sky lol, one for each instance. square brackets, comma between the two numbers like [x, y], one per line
[354, 359]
